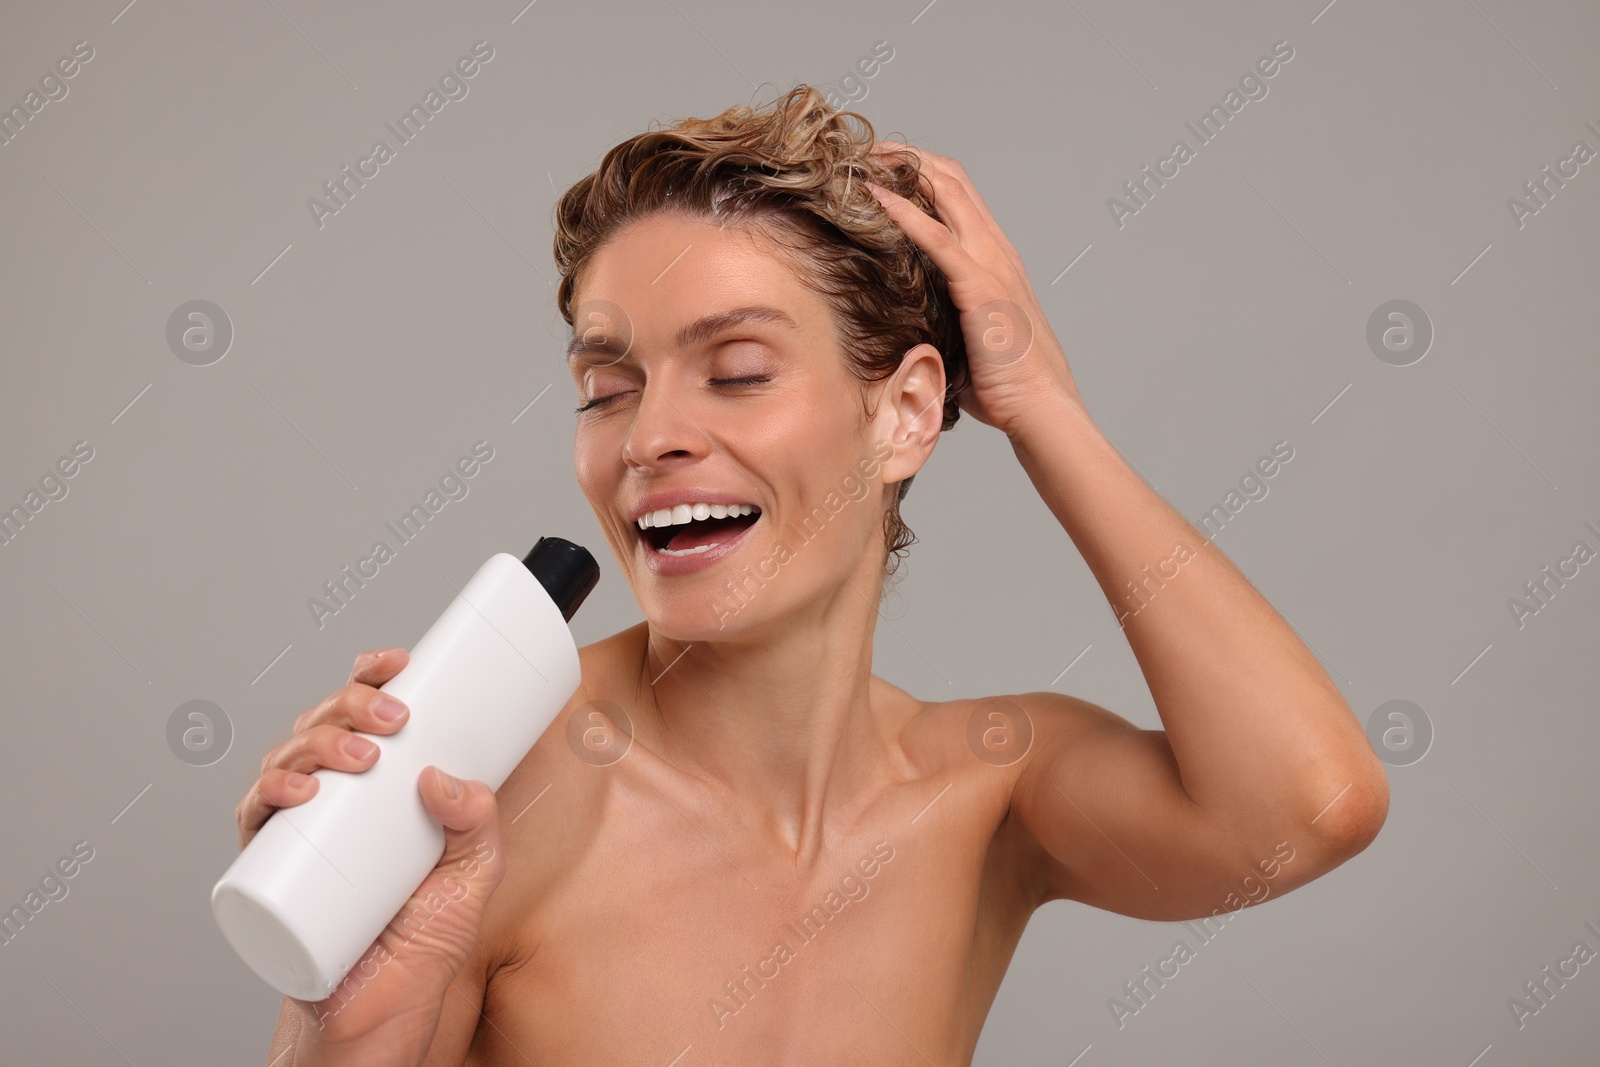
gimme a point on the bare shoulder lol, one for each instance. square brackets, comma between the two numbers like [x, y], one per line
[1007, 731]
[1003, 745]
[994, 751]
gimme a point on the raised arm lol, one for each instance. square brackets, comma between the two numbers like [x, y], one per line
[1260, 757]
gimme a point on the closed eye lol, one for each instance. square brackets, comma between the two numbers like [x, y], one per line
[600, 401]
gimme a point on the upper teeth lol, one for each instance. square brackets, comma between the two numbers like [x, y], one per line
[682, 513]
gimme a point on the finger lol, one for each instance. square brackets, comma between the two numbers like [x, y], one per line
[973, 223]
[275, 789]
[459, 805]
[949, 175]
[378, 665]
[286, 771]
[970, 282]
[357, 707]
[891, 149]
[325, 745]
[470, 815]
[963, 182]
[962, 207]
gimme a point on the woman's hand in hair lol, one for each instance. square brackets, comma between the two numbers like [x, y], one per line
[1018, 369]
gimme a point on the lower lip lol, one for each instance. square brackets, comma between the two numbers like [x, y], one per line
[674, 566]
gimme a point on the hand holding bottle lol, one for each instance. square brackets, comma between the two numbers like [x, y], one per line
[350, 857]
[386, 1009]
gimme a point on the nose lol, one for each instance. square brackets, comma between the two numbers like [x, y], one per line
[661, 431]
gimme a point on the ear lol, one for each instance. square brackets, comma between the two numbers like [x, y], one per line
[910, 412]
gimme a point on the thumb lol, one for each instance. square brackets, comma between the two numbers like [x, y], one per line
[470, 816]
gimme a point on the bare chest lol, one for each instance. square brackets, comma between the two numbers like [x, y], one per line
[674, 940]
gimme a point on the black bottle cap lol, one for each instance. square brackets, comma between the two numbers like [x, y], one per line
[566, 571]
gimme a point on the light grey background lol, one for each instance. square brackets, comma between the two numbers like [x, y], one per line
[1228, 314]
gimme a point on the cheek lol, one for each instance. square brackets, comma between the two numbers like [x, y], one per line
[597, 465]
[582, 464]
[596, 454]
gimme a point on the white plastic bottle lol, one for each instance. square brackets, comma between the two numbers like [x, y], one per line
[319, 882]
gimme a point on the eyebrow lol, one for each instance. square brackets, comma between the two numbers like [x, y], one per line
[698, 331]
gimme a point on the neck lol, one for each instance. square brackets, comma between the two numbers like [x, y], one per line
[784, 716]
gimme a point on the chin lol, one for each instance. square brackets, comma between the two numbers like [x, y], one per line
[694, 619]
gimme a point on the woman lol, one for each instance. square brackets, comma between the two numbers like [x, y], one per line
[755, 850]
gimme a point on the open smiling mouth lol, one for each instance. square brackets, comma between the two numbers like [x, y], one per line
[691, 529]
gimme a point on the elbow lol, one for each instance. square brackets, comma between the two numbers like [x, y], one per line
[1346, 826]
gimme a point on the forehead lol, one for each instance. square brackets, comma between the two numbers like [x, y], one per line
[670, 281]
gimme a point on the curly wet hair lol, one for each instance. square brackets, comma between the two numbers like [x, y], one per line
[796, 171]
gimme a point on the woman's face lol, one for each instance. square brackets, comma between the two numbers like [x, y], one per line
[757, 409]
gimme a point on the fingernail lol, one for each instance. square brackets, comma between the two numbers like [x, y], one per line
[297, 780]
[389, 709]
[359, 746]
[452, 785]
